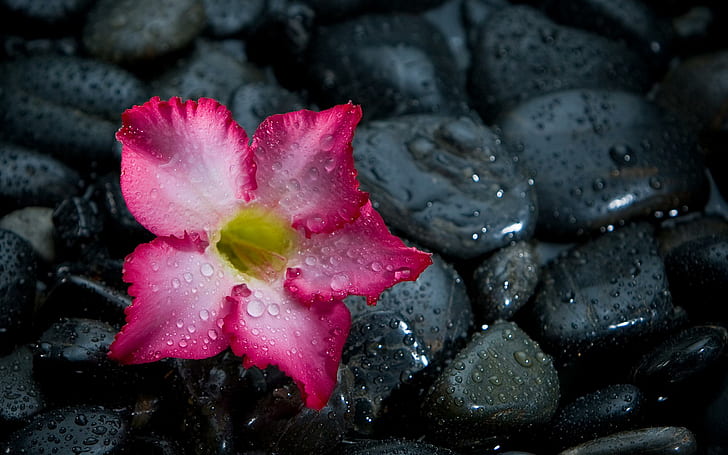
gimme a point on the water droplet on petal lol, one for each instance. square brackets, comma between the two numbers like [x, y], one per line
[206, 269]
[339, 282]
[212, 334]
[180, 323]
[204, 315]
[326, 142]
[255, 308]
[182, 343]
[155, 266]
[376, 266]
[274, 309]
[175, 283]
[187, 277]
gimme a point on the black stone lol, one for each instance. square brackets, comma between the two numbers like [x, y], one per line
[696, 261]
[600, 158]
[445, 182]
[60, 12]
[449, 19]
[609, 410]
[18, 270]
[435, 306]
[209, 71]
[628, 21]
[520, 54]
[21, 395]
[29, 178]
[252, 103]
[684, 356]
[392, 447]
[71, 362]
[505, 281]
[500, 383]
[231, 17]
[94, 87]
[280, 423]
[339, 9]
[78, 223]
[604, 295]
[384, 354]
[391, 65]
[79, 139]
[89, 430]
[127, 31]
[646, 441]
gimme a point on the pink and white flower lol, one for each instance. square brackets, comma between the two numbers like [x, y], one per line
[257, 243]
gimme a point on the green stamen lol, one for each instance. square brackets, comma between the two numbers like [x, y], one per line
[257, 243]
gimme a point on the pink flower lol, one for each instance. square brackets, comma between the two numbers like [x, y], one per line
[257, 245]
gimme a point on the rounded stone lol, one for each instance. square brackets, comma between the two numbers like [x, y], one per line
[128, 31]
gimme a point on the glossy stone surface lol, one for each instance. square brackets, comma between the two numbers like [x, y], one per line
[446, 182]
[653, 441]
[600, 158]
[500, 383]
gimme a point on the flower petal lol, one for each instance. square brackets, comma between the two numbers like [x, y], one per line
[180, 302]
[306, 166]
[184, 166]
[267, 326]
[362, 258]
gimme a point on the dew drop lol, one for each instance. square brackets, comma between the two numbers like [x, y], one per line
[326, 142]
[212, 334]
[204, 315]
[180, 323]
[339, 282]
[182, 343]
[175, 283]
[187, 277]
[206, 269]
[155, 266]
[274, 309]
[255, 308]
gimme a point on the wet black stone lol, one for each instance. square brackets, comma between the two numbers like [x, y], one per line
[609, 410]
[602, 157]
[77, 293]
[477, 12]
[684, 356]
[500, 383]
[628, 21]
[72, 136]
[280, 423]
[53, 12]
[445, 182]
[30, 178]
[647, 441]
[78, 223]
[122, 232]
[281, 39]
[392, 447]
[340, 9]
[71, 362]
[20, 394]
[231, 17]
[94, 87]
[605, 295]
[252, 103]
[436, 307]
[505, 281]
[696, 90]
[384, 354]
[130, 31]
[713, 420]
[449, 20]
[209, 71]
[89, 430]
[18, 270]
[391, 65]
[520, 54]
[696, 261]
[34, 224]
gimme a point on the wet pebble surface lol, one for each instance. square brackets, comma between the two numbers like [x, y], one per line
[563, 161]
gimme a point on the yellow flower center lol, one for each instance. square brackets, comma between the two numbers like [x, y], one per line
[257, 242]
